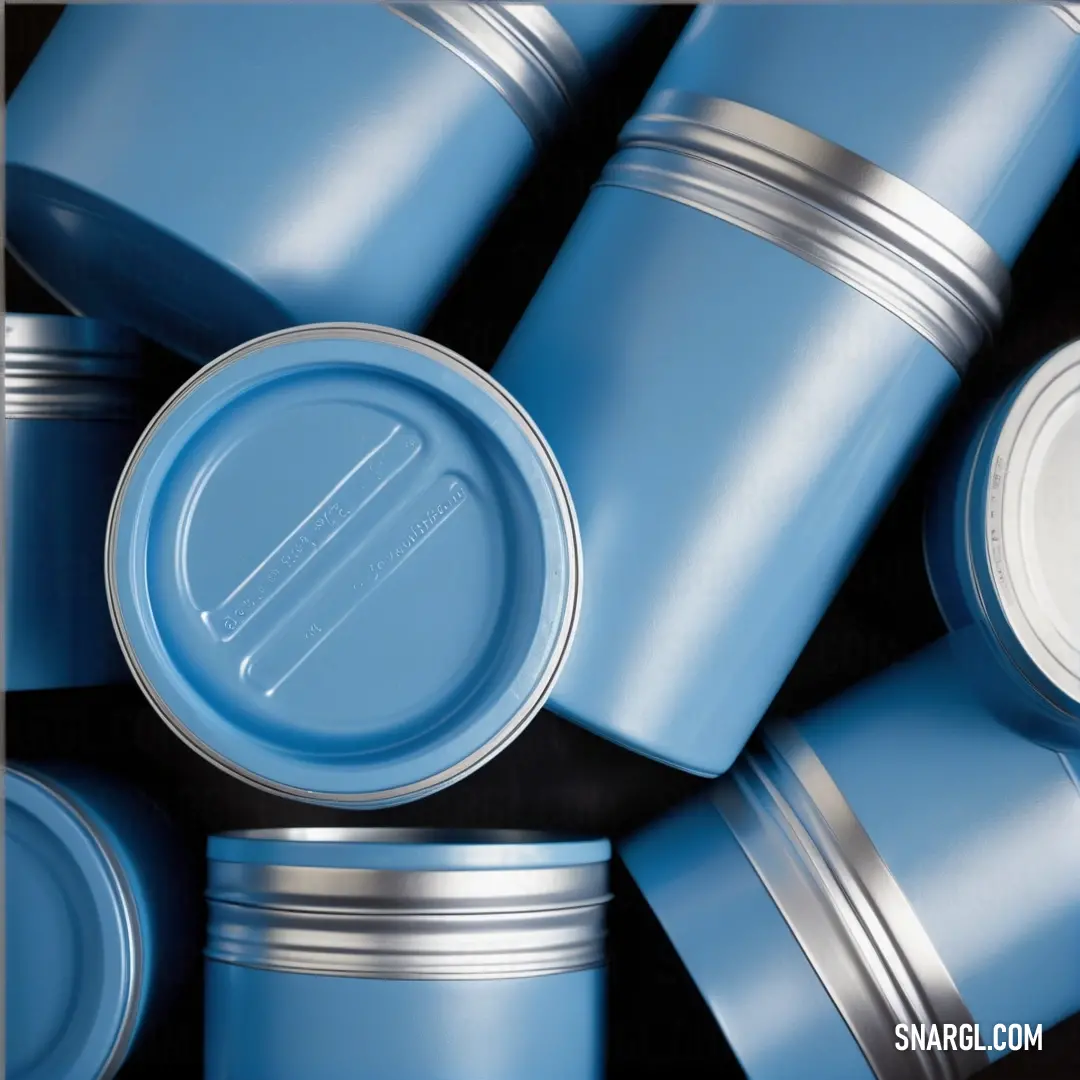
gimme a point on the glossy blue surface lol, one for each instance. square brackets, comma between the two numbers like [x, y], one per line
[732, 420]
[60, 478]
[265, 1025]
[929, 78]
[739, 951]
[164, 174]
[715, 541]
[81, 955]
[343, 566]
[978, 826]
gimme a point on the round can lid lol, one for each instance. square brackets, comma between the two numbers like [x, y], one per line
[73, 963]
[344, 565]
[1031, 524]
[407, 849]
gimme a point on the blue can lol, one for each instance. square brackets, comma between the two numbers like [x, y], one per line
[895, 863]
[71, 405]
[1002, 544]
[760, 313]
[343, 565]
[375, 953]
[208, 173]
[99, 921]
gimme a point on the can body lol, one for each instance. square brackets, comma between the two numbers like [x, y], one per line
[163, 175]
[731, 407]
[274, 1026]
[978, 829]
[1001, 532]
[99, 920]
[63, 457]
[429, 971]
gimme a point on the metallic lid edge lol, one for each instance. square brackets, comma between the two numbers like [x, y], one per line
[529, 707]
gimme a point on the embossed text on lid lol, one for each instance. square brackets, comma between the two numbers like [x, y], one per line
[379, 565]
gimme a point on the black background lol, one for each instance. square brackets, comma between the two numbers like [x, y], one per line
[556, 776]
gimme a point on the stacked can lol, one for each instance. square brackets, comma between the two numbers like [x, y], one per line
[1002, 543]
[162, 173]
[408, 953]
[760, 313]
[71, 406]
[763, 309]
[100, 909]
[896, 866]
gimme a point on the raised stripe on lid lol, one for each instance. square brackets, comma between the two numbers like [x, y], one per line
[825, 204]
[843, 906]
[521, 49]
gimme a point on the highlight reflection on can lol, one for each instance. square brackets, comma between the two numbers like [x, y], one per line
[208, 173]
[762, 310]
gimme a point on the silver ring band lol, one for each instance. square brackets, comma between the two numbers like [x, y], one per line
[1069, 14]
[414, 924]
[63, 368]
[836, 210]
[843, 906]
[33, 393]
[521, 49]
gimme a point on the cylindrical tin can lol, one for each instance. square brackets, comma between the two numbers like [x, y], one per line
[71, 409]
[374, 953]
[99, 921]
[343, 565]
[763, 308]
[1002, 544]
[209, 173]
[896, 863]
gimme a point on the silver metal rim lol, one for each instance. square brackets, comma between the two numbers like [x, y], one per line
[130, 918]
[529, 707]
[520, 49]
[69, 368]
[408, 924]
[1017, 613]
[382, 834]
[843, 906]
[823, 203]
[1069, 15]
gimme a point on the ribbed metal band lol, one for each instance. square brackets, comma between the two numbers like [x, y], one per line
[129, 917]
[61, 368]
[521, 49]
[412, 924]
[866, 227]
[847, 912]
[1069, 14]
